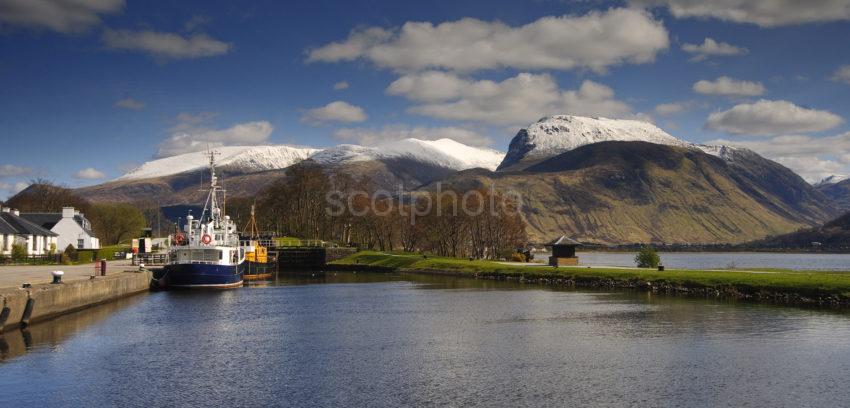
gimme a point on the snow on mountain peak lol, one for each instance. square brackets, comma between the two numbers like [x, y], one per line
[446, 153]
[558, 134]
[833, 179]
[239, 158]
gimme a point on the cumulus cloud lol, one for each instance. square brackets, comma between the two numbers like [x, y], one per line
[89, 173]
[64, 16]
[517, 100]
[11, 170]
[842, 74]
[771, 118]
[341, 85]
[712, 48]
[389, 133]
[672, 108]
[764, 13]
[725, 86]
[165, 45]
[337, 111]
[130, 103]
[192, 134]
[593, 41]
[814, 158]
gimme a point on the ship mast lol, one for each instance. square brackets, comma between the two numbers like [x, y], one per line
[211, 204]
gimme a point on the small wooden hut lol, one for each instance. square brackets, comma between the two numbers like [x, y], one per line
[563, 251]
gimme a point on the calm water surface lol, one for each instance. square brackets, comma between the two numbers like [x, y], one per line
[725, 260]
[367, 340]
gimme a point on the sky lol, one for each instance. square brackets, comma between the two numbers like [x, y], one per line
[90, 89]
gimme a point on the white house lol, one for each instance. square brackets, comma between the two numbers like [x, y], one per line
[14, 229]
[71, 225]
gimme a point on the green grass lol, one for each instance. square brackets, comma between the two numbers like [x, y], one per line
[804, 283]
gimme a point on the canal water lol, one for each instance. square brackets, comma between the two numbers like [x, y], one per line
[402, 340]
[724, 260]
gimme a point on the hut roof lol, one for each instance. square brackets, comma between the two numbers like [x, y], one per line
[564, 241]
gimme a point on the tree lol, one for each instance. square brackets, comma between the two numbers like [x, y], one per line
[44, 196]
[116, 223]
[647, 257]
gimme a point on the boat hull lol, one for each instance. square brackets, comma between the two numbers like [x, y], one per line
[257, 270]
[203, 276]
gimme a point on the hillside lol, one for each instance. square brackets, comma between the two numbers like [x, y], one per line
[838, 192]
[627, 192]
[832, 236]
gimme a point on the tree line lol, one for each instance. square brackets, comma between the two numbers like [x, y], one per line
[112, 223]
[311, 203]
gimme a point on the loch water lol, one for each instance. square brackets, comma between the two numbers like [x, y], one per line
[346, 339]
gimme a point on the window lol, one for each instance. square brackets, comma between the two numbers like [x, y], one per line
[81, 243]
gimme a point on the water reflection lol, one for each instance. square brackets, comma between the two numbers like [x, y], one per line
[410, 340]
[51, 333]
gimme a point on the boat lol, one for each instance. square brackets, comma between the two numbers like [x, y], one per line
[207, 253]
[258, 265]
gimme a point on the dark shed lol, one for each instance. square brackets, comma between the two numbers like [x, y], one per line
[563, 251]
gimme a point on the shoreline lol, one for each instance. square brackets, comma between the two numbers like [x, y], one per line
[816, 289]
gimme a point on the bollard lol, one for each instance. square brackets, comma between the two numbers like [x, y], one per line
[57, 276]
[103, 267]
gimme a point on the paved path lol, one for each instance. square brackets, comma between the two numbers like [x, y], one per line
[15, 275]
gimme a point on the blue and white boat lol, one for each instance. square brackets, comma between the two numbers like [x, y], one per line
[207, 252]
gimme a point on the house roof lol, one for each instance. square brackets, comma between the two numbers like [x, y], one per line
[564, 241]
[46, 220]
[49, 220]
[13, 224]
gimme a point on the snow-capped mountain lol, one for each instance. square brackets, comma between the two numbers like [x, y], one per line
[833, 179]
[245, 159]
[559, 134]
[444, 153]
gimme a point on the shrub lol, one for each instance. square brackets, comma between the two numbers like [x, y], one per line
[19, 253]
[517, 257]
[647, 257]
[64, 259]
[71, 252]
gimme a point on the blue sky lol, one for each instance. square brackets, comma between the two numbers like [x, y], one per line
[90, 88]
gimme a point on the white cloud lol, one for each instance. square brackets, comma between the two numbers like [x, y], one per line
[814, 158]
[725, 86]
[771, 118]
[11, 170]
[130, 103]
[341, 85]
[64, 16]
[842, 74]
[515, 101]
[20, 186]
[337, 111]
[672, 108]
[89, 173]
[593, 41]
[191, 135]
[389, 133]
[765, 13]
[165, 45]
[712, 48]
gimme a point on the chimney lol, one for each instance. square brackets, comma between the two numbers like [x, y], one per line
[5, 209]
[67, 212]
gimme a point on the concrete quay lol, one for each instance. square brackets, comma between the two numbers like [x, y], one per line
[20, 307]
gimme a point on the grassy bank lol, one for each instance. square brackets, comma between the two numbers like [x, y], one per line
[823, 288]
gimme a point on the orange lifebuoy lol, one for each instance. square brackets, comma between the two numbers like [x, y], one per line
[206, 239]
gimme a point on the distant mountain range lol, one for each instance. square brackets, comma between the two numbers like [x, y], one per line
[596, 179]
